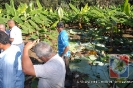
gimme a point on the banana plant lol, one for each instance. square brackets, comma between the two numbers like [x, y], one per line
[80, 13]
[38, 20]
[126, 7]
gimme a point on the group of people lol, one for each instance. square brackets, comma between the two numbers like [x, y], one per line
[15, 61]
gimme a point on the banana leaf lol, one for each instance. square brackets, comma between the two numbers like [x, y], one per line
[9, 10]
[30, 7]
[37, 19]
[13, 7]
[22, 8]
[17, 19]
[30, 27]
[85, 9]
[60, 13]
[39, 4]
[74, 8]
[34, 25]
[2, 20]
[54, 24]
[0, 11]
[27, 28]
[126, 8]
[34, 12]
[34, 36]
[24, 29]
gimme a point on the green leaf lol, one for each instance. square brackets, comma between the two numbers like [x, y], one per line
[85, 9]
[37, 19]
[34, 36]
[45, 20]
[97, 12]
[34, 25]
[22, 8]
[60, 13]
[126, 8]
[34, 12]
[1, 20]
[43, 31]
[39, 4]
[54, 24]
[24, 29]
[74, 8]
[8, 9]
[13, 7]
[30, 7]
[34, 83]
[0, 11]
[17, 19]
[51, 10]
[30, 28]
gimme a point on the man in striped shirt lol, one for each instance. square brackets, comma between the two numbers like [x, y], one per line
[63, 46]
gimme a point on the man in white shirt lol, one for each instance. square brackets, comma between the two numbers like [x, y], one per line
[52, 73]
[11, 74]
[15, 35]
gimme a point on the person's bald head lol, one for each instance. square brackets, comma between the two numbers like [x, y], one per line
[2, 27]
[11, 23]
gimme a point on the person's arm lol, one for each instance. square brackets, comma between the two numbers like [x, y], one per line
[65, 51]
[12, 35]
[27, 65]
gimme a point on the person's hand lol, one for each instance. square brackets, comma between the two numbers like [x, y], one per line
[62, 56]
[30, 44]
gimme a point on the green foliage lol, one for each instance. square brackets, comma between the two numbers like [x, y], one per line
[39, 4]
[126, 7]
[37, 21]
[34, 83]
[30, 19]
[60, 13]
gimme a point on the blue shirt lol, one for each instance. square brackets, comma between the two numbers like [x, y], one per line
[11, 74]
[63, 41]
[8, 32]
